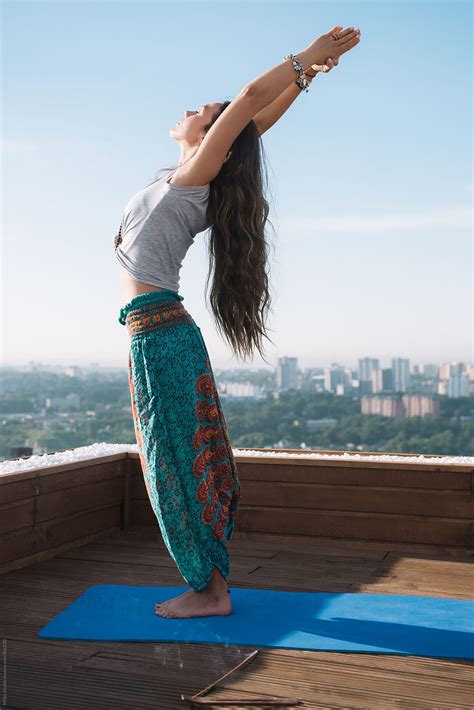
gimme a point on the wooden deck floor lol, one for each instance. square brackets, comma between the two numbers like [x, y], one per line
[49, 675]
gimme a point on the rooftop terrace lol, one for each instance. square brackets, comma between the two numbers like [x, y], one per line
[309, 524]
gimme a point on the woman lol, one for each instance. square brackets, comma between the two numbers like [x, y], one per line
[185, 453]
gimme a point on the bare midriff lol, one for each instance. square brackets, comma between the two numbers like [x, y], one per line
[129, 287]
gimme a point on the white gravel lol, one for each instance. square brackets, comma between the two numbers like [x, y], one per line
[103, 449]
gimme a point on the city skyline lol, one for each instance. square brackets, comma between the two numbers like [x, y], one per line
[329, 402]
[371, 208]
[372, 363]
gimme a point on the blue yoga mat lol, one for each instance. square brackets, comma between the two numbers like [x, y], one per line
[315, 621]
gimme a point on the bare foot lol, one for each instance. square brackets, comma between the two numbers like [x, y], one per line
[179, 596]
[212, 601]
[193, 603]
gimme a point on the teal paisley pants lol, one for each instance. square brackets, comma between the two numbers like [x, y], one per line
[183, 442]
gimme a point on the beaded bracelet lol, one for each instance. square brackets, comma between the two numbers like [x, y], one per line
[118, 238]
[311, 76]
[302, 82]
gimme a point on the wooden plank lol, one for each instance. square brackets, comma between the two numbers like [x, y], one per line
[17, 515]
[163, 571]
[404, 587]
[57, 531]
[351, 458]
[53, 551]
[247, 540]
[46, 676]
[139, 545]
[42, 471]
[317, 662]
[16, 489]
[447, 504]
[337, 475]
[438, 577]
[39, 684]
[348, 525]
[52, 533]
[337, 687]
[309, 562]
[127, 493]
[88, 497]
[287, 470]
[409, 565]
[57, 494]
[353, 525]
[122, 554]
[80, 476]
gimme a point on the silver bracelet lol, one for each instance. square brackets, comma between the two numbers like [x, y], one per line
[302, 82]
[118, 238]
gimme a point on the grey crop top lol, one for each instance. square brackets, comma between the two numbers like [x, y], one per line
[158, 226]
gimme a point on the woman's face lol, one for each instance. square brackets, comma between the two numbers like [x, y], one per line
[190, 128]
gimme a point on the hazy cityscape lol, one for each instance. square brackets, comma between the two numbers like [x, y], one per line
[403, 407]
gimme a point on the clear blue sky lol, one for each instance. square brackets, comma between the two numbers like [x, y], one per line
[370, 172]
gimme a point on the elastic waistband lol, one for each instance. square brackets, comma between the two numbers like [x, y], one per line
[148, 299]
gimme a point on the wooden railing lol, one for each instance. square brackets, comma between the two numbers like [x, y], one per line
[45, 511]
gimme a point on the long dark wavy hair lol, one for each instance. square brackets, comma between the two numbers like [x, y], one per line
[237, 213]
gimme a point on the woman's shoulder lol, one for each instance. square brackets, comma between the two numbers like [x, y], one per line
[176, 179]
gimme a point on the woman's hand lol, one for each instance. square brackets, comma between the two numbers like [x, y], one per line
[324, 68]
[326, 46]
[330, 63]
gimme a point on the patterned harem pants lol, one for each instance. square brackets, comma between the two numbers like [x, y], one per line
[184, 448]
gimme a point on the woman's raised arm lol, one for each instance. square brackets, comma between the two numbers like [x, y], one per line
[207, 162]
[269, 85]
[270, 114]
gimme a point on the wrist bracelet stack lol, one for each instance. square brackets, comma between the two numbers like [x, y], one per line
[118, 238]
[301, 81]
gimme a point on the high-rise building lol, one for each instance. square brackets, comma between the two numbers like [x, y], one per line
[401, 374]
[382, 380]
[334, 376]
[457, 384]
[430, 370]
[287, 373]
[366, 366]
